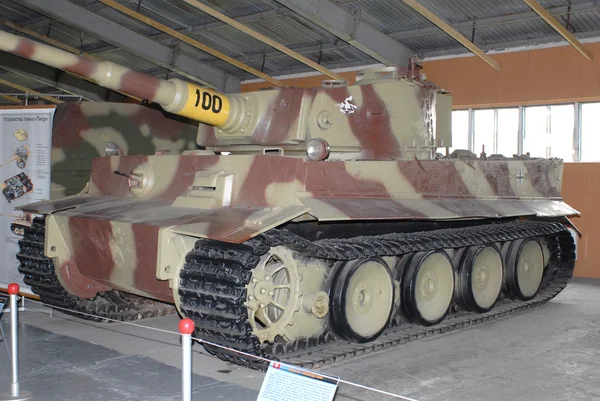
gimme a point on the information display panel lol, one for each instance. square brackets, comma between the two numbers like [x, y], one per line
[25, 162]
[288, 383]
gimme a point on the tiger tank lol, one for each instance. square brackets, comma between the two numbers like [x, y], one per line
[316, 224]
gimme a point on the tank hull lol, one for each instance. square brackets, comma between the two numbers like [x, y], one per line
[108, 238]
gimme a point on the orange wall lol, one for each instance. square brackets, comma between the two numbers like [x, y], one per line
[552, 75]
[581, 190]
[545, 76]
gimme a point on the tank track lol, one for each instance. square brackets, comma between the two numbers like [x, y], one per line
[39, 274]
[212, 288]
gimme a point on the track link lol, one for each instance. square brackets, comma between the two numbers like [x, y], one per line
[39, 274]
[212, 287]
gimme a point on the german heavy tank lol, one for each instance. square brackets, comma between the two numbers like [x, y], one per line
[314, 225]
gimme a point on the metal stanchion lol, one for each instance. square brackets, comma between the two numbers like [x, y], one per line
[186, 327]
[16, 394]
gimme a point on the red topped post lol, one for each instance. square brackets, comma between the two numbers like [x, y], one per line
[186, 328]
[13, 289]
[15, 394]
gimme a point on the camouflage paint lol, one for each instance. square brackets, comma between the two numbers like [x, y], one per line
[82, 131]
[130, 232]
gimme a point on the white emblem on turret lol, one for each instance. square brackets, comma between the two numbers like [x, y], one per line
[346, 106]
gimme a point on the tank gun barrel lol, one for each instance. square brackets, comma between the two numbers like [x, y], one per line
[174, 95]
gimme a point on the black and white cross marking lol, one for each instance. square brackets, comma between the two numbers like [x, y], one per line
[520, 177]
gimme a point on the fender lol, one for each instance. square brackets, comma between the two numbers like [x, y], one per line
[438, 208]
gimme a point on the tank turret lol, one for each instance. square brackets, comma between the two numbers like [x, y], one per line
[389, 113]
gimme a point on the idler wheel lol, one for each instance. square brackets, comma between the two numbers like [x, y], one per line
[480, 278]
[428, 287]
[524, 268]
[362, 301]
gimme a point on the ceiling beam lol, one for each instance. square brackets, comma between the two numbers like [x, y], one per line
[192, 42]
[44, 21]
[307, 71]
[497, 21]
[260, 16]
[348, 26]
[444, 26]
[273, 55]
[259, 36]
[117, 35]
[27, 90]
[211, 26]
[553, 22]
[508, 45]
[58, 79]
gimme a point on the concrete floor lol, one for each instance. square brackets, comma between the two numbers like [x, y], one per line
[552, 353]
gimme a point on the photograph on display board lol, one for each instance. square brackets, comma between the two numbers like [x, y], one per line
[20, 155]
[16, 186]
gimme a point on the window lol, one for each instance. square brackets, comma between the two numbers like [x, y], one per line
[460, 130]
[546, 131]
[536, 131]
[549, 131]
[494, 130]
[562, 124]
[484, 131]
[507, 142]
[590, 135]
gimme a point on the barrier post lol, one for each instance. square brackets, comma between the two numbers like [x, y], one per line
[16, 394]
[186, 328]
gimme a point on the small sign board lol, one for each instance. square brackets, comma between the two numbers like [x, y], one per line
[288, 383]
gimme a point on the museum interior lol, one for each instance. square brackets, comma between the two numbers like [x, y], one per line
[298, 200]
